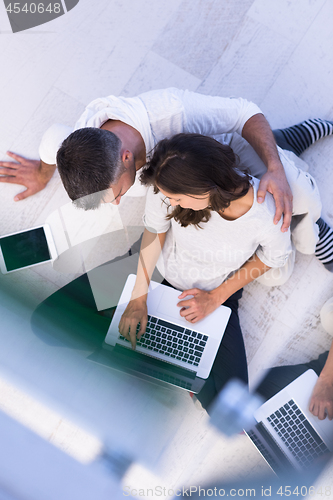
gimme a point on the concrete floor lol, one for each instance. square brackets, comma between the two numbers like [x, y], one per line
[278, 54]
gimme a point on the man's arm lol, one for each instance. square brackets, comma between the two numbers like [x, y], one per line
[33, 174]
[321, 402]
[259, 135]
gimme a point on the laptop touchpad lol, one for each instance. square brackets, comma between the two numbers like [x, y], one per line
[168, 304]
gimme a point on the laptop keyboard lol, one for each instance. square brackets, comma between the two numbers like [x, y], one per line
[297, 433]
[172, 340]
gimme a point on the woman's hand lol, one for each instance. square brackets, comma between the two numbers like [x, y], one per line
[321, 402]
[203, 303]
[199, 306]
[135, 313]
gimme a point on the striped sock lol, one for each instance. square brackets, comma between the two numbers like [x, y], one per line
[300, 137]
[324, 247]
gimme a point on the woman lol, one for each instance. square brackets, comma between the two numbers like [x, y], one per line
[212, 239]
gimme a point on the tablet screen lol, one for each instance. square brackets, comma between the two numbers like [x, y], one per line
[25, 249]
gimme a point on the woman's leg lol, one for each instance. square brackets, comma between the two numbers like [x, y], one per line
[230, 361]
[324, 247]
[299, 137]
[278, 276]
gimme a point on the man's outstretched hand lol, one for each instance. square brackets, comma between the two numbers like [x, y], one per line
[33, 174]
[276, 183]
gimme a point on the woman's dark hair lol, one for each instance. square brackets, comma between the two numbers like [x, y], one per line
[193, 164]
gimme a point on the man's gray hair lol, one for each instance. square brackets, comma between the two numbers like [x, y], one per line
[89, 161]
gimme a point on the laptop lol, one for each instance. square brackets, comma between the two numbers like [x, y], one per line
[171, 350]
[287, 435]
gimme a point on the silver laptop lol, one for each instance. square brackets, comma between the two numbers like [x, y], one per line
[172, 349]
[287, 434]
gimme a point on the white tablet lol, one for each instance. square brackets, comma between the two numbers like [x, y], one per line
[26, 249]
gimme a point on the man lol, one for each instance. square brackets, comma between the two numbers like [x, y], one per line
[114, 136]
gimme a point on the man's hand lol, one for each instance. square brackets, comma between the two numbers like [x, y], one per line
[321, 402]
[201, 305]
[33, 174]
[275, 182]
[258, 133]
[135, 313]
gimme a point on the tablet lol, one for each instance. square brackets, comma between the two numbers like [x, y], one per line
[26, 249]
